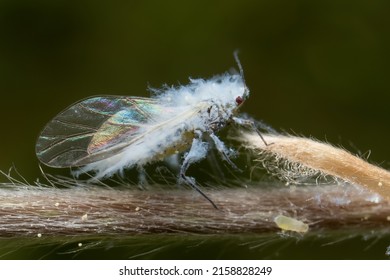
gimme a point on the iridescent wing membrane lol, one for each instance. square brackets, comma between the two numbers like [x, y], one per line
[94, 129]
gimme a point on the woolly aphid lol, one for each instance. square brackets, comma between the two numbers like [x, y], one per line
[107, 134]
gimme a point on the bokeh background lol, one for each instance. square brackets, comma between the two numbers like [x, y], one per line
[316, 68]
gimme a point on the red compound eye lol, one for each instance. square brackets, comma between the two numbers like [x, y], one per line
[239, 100]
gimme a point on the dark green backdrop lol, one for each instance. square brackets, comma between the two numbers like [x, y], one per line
[316, 68]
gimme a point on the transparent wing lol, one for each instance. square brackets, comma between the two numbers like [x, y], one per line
[94, 129]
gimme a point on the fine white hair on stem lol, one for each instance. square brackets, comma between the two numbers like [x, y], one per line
[81, 208]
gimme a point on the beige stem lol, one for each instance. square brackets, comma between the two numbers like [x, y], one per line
[325, 158]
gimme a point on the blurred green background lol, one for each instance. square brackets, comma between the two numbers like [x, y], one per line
[316, 68]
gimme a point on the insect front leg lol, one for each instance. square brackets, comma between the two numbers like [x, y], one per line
[223, 151]
[251, 124]
[197, 152]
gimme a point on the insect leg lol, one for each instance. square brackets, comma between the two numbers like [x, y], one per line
[251, 124]
[142, 181]
[197, 152]
[223, 151]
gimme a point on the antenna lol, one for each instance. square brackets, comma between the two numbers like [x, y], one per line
[241, 70]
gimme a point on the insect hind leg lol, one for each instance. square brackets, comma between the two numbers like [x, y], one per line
[197, 152]
[142, 177]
